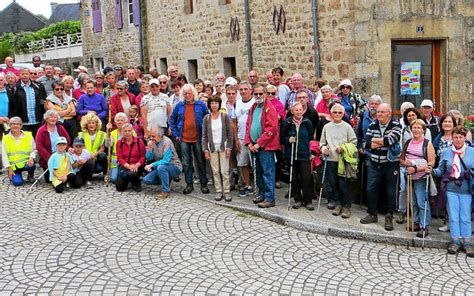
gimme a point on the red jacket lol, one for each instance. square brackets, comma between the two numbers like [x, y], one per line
[270, 138]
[43, 143]
[137, 154]
[116, 103]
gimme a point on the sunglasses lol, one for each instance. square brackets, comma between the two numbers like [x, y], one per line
[258, 94]
[120, 88]
[271, 93]
[345, 86]
[154, 86]
[337, 112]
[33, 73]
[59, 89]
[99, 77]
[163, 82]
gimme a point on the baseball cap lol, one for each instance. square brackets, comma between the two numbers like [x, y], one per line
[230, 81]
[61, 140]
[427, 103]
[78, 141]
[81, 69]
[154, 81]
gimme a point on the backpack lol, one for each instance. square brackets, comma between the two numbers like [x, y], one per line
[424, 149]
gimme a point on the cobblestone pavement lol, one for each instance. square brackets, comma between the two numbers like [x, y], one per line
[99, 241]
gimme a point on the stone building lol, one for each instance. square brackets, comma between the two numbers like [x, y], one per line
[404, 50]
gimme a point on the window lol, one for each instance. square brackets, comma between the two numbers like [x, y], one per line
[163, 65]
[130, 11]
[229, 67]
[192, 70]
[188, 6]
[96, 16]
[415, 72]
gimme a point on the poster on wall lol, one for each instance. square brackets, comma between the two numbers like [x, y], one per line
[410, 78]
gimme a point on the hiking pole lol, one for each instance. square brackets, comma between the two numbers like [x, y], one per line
[361, 184]
[424, 218]
[408, 193]
[32, 185]
[255, 189]
[291, 174]
[322, 182]
[109, 149]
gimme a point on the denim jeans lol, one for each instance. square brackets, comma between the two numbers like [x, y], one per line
[381, 174]
[113, 174]
[459, 212]
[265, 171]
[17, 179]
[162, 174]
[420, 199]
[191, 150]
[402, 196]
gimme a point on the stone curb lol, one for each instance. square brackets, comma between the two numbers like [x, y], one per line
[332, 230]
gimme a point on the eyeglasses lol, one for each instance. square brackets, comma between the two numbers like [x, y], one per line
[345, 86]
[99, 77]
[33, 73]
[258, 94]
[337, 112]
[59, 89]
[163, 82]
[271, 93]
[300, 98]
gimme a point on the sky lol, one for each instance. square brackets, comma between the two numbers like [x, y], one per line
[36, 6]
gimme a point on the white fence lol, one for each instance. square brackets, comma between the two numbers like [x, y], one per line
[58, 47]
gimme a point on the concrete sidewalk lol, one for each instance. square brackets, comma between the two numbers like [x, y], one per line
[325, 223]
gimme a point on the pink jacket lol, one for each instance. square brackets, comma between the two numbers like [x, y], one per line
[270, 138]
[280, 109]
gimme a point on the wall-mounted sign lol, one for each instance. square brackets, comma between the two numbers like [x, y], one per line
[410, 83]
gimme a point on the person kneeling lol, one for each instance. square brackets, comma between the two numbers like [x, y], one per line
[83, 164]
[166, 163]
[60, 168]
[131, 157]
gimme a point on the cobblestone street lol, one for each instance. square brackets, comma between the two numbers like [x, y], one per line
[99, 241]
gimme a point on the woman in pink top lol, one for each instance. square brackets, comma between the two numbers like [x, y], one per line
[418, 156]
[323, 106]
[271, 96]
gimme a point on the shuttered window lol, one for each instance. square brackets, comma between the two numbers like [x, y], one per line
[118, 14]
[96, 16]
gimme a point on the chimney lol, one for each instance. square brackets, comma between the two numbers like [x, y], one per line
[53, 6]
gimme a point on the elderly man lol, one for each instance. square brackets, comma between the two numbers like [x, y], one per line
[432, 121]
[263, 139]
[297, 81]
[132, 79]
[27, 102]
[381, 137]
[155, 108]
[220, 77]
[366, 118]
[9, 67]
[253, 78]
[48, 79]
[165, 163]
[269, 77]
[278, 81]
[172, 72]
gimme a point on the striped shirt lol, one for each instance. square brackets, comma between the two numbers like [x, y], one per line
[391, 135]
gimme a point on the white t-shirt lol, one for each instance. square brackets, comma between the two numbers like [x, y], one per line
[85, 155]
[216, 127]
[157, 109]
[242, 110]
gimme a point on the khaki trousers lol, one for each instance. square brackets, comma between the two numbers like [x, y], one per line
[220, 171]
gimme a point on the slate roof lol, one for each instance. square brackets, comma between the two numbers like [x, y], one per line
[15, 18]
[65, 12]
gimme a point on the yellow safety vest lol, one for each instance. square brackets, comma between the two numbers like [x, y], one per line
[18, 154]
[114, 160]
[98, 142]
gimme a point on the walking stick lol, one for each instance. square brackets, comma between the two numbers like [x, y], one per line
[291, 174]
[255, 188]
[32, 185]
[361, 184]
[408, 194]
[424, 218]
[322, 182]
[109, 149]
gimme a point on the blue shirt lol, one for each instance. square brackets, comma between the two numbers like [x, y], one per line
[346, 103]
[53, 136]
[3, 103]
[30, 103]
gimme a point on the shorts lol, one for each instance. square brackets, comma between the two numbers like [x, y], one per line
[243, 157]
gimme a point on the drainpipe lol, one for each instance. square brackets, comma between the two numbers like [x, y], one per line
[140, 33]
[316, 58]
[248, 35]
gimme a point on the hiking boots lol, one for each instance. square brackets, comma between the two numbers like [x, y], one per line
[227, 197]
[346, 213]
[266, 204]
[420, 232]
[218, 197]
[188, 189]
[388, 222]
[468, 249]
[297, 205]
[369, 219]
[454, 248]
[310, 207]
[337, 210]
[400, 218]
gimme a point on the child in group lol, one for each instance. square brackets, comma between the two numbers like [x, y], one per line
[136, 121]
[60, 167]
[83, 165]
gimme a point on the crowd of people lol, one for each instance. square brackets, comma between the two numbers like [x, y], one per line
[129, 127]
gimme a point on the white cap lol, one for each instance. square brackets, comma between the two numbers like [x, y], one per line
[61, 140]
[154, 81]
[427, 103]
[81, 69]
[230, 81]
[345, 82]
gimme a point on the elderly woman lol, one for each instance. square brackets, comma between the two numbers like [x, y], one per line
[217, 144]
[186, 126]
[18, 152]
[144, 90]
[417, 156]
[444, 139]
[92, 102]
[68, 84]
[165, 163]
[335, 135]
[94, 140]
[271, 95]
[10, 77]
[323, 106]
[99, 82]
[111, 88]
[64, 104]
[47, 136]
[131, 158]
[297, 131]
[82, 79]
[460, 121]
[410, 115]
[115, 136]
[122, 100]
[455, 167]
[352, 102]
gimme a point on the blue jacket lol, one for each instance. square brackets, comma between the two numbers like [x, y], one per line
[177, 119]
[303, 136]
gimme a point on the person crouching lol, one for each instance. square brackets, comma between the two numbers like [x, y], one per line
[60, 167]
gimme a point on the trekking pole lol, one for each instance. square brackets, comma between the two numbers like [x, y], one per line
[424, 218]
[322, 182]
[109, 149]
[361, 184]
[255, 188]
[291, 174]
[32, 185]
[408, 193]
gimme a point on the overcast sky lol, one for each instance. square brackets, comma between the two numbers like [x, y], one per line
[36, 6]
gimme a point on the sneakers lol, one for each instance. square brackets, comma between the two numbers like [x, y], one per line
[258, 199]
[218, 197]
[265, 204]
[331, 205]
[88, 184]
[337, 210]
[297, 205]
[310, 207]
[388, 222]
[444, 228]
[188, 189]
[346, 213]
[278, 184]
[454, 247]
[400, 218]
[163, 195]
[227, 197]
[468, 249]
[246, 191]
[420, 233]
[369, 219]
[204, 189]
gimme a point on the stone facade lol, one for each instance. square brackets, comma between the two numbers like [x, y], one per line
[355, 40]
